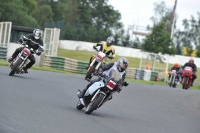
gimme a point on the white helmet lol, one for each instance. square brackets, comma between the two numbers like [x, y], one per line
[122, 64]
[110, 40]
[37, 33]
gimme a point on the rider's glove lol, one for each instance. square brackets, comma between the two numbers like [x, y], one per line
[110, 57]
[38, 52]
[125, 83]
[20, 41]
[94, 47]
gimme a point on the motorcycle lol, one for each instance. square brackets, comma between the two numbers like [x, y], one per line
[99, 59]
[186, 77]
[21, 60]
[101, 91]
[173, 79]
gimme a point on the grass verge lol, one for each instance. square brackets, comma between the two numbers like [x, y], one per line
[133, 62]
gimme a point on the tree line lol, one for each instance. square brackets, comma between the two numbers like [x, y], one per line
[186, 41]
[95, 20]
[83, 20]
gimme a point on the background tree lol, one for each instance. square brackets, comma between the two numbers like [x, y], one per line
[159, 41]
[16, 12]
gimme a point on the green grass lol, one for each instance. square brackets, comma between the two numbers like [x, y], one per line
[85, 56]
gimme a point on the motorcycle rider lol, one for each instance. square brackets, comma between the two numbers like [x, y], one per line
[105, 47]
[33, 41]
[177, 68]
[121, 65]
[194, 69]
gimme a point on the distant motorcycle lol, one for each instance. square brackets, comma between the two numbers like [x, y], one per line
[99, 59]
[21, 60]
[173, 79]
[99, 92]
[186, 77]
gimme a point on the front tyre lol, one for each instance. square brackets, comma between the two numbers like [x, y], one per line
[89, 73]
[185, 82]
[171, 81]
[13, 70]
[94, 104]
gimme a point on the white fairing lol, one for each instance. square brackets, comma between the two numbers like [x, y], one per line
[173, 71]
[102, 54]
[94, 87]
[188, 68]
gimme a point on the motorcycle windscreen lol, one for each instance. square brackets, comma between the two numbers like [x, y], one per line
[116, 75]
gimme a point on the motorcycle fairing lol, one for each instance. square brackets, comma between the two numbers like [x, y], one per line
[94, 87]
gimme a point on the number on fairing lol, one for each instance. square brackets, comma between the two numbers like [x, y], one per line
[111, 85]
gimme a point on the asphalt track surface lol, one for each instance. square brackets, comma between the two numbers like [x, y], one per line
[45, 102]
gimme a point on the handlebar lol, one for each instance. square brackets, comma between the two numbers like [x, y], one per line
[31, 49]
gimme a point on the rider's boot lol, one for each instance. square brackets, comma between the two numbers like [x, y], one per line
[25, 70]
[80, 94]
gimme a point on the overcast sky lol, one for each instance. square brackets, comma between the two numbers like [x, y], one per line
[139, 11]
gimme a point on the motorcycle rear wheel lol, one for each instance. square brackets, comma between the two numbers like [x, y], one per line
[94, 104]
[13, 70]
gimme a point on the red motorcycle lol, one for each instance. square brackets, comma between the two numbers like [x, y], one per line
[186, 77]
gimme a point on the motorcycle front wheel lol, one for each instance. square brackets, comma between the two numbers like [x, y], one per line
[94, 104]
[14, 68]
[185, 82]
[91, 70]
[171, 81]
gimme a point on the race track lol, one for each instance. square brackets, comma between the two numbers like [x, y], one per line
[45, 102]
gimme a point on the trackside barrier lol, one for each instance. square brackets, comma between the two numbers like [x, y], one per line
[3, 53]
[147, 75]
[66, 64]
[79, 67]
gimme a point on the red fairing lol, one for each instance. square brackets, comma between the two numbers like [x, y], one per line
[187, 73]
[27, 51]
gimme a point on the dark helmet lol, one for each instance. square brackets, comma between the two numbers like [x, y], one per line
[37, 33]
[191, 61]
[122, 64]
[110, 40]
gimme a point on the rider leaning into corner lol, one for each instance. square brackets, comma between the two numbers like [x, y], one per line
[105, 47]
[121, 65]
[194, 69]
[33, 41]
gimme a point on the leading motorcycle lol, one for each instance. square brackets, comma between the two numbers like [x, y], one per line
[101, 91]
[21, 60]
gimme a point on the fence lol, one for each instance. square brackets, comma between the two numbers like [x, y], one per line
[3, 53]
[5, 30]
[75, 66]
